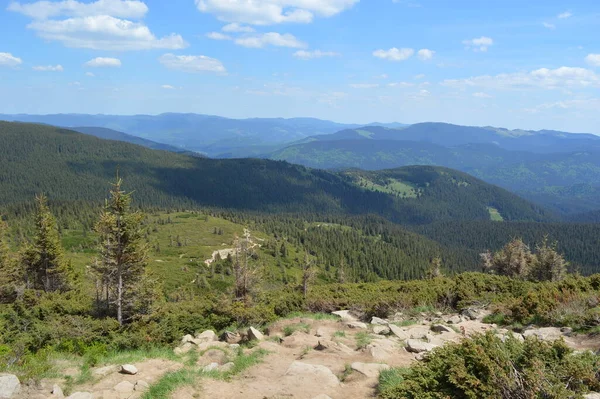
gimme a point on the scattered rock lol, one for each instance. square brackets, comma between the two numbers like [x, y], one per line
[227, 367]
[254, 334]
[321, 347]
[212, 356]
[398, 332]
[438, 314]
[454, 320]
[206, 336]
[141, 386]
[379, 322]
[566, 331]
[357, 324]
[592, 395]
[186, 339]
[504, 337]
[381, 330]
[124, 387]
[470, 313]
[231, 337]
[234, 347]
[345, 315]
[57, 392]
[312, 374]
[9, 386]
[440, 328]
[211, 367]
[417, 346]
[321, 332]
[371, 370]
[544, 333]
[104, 371]
[129, 369]
[81, 395]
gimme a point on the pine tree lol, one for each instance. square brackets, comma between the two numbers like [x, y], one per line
[548, 264]
[10, 276]
[245, 274]
[435, 268]
[44, 261]
[308, 274]
[123, 255]
[514, 260]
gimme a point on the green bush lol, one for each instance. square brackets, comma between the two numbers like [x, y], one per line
[485, 367]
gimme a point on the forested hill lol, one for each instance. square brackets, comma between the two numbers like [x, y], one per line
[69, 166]
[109, 134]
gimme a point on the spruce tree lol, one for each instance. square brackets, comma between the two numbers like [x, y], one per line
[10, 277]
[548, 264]
[44, 261]
[123, 255]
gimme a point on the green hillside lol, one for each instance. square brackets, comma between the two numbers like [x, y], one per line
[68, 166]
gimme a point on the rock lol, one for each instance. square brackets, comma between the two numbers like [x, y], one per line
[227, 367]
[206, 336]
[129, 369]
[566, 331]
[234, 347]
[304, 373]
[504, 337]
[438, 314]
[398, 332]
[454, 320]
[124, 387]
[321, 347]
[187, 338]
[57, 392]
[322, 396]
[381, 330]
[212, 356]
[379, 322]
[81, 395]
[345, 315]
[321, 332]
[592, 395]
[470, 313]
[9, 386]
[544, 334]
[141, 386]
[210, 367]
[357, 324]
[440, 328]
[104, 371]
[231, 337]
[416, 346]
[371, 370]
[254, 334]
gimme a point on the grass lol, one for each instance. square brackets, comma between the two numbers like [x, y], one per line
[405, 323]
[312, 316]
[138, 355]
[390, 378]
[495, 215]
[170, 382]
[363, 339]
[346, 373]
[339, 334]
[289, 330]
[241, 362]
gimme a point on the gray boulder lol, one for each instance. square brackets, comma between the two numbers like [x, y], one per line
[357, 324]
[254, 334]
[381, 330]
[379, 322]
[57, 392]
[370, 370]
[592, 395]
[124, 387]
[417, 346]
[440, 328]
[9, 386]
[398, 332]
[129, 369]
[304, 373]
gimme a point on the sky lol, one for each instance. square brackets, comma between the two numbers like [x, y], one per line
[505, 63]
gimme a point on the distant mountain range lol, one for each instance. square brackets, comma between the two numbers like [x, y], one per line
[109, 134]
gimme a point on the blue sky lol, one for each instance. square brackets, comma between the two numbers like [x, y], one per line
[504, 63]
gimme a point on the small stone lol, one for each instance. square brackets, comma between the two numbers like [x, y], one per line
[438, 314]
[81, 395]
[440, 328]
[371, 370]
[381, 330]
[231, 337]
[124, 387]
[211, 367]
[129, 369]
[566, 330]
[9, 386]
[379, 322]
[234, 347]
[321, 332]
[206, 336]
[321, 347]
[454, 320]
[141, 386]
[417, 346]
[470, 313]
[187, 338]
[227, 367]
[57, 392]
[356, 324]
[254, 334]
[344, 315]
[398, 332]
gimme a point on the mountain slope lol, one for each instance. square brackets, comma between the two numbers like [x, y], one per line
[71, 166]
[109, 134]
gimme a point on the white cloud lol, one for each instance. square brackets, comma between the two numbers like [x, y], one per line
[167, 87]
[308, 55]
[192, 63]
[9, 60]
[394, 54]
[218, 36]
[48, 68]
[103, 62]
[90, 74]
[364, 85]
[593, 59]
[400, 84]
[270, 38]
[425, 54]
[480, 94]
[237, 28]
[104, 32]
[479, 44]
[549, 25]
[544, 78]
[563, 15]
[269, 12]
[70, 8]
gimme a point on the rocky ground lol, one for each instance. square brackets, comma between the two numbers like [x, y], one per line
[302, 357]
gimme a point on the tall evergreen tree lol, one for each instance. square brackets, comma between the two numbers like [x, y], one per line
[123, 254]
[10, 276]
[548, 264]
[44, 261]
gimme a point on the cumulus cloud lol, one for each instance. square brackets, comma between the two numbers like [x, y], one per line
[549, 25]
[270, 39]
[167, 87]
[100, 25]
[479, 43]
[218, 36]
[237, 28]
[364, 85]
[425, 54]
[9, 60]
[480, 94]
[308, 55]
[543, 78]
[48, 68]
[103, 62]
[400, 84]
[90, 74]
[394, 54]
[269, 12]
[563, 15]
[192, 63]
[593, 59]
